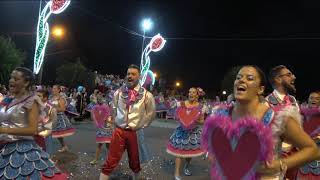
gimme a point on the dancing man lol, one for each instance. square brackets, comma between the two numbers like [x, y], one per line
[133, 108]
[282, 81]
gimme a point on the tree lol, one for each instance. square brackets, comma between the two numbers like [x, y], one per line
[10, 58]
[72, 74]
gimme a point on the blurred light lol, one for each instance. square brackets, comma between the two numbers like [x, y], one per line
[146, 24]
[58, 31]
[178, 84]
[155, 75]
[224, 92]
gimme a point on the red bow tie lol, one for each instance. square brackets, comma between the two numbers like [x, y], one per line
[287, 100]
[132, 95]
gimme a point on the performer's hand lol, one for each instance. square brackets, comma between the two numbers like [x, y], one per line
[269, 168]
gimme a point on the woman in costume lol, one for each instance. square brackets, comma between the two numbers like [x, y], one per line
[101, 117]
[49, 117]
[20, 156]
[81, 100]
[245, 138]
[311, 124]
[71, 109]
[185, 140]
[62, 128]
[171, 104]
[93, 100]
[160, 103]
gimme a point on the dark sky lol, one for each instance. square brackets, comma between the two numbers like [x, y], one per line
[204, 40]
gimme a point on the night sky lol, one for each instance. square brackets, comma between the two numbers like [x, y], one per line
[203, 40]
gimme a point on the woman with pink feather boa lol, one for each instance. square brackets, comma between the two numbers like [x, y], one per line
[245, 138]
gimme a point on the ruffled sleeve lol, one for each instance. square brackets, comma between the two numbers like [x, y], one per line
[281, 117]
[33, 99]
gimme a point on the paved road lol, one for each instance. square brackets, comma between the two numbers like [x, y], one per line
[82, 148]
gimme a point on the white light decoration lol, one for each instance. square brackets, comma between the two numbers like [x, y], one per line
[155, 45]
[146, 24]
[52, 7]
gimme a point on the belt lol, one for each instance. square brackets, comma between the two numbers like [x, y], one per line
[127, 128]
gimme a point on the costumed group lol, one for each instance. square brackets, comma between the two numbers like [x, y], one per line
[250, 137]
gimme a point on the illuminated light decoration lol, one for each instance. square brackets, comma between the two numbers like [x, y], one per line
[146, 24]
[57, 32]
[59, 5]
[152, 76]
[55, 7]
[155, 45]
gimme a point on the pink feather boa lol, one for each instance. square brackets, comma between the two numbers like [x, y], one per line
[233, 129]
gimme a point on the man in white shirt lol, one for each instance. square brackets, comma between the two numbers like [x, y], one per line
[282, 81]
[133, 109]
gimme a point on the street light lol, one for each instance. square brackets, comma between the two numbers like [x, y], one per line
[146, 26]
[178, 84]
[58, 31]
[224, 92]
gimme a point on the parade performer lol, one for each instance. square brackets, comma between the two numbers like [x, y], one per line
[245, 138]
[81, 100]
[171, 104]
[62, 128]
[134, 108]
[311, 124]
[160, 103]
[71, 110]
[49, 118]
[101, 117]
[282, 81]
[185, 140]
[21, 157]
[93, 100]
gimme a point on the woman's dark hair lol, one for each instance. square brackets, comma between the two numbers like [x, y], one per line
[262, 76]
[27, 75]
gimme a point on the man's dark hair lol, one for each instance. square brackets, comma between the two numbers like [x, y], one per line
[45, 93]
[133, 66]
[275, 72]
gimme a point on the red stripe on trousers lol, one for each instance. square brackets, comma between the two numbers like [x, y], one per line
[122, 140]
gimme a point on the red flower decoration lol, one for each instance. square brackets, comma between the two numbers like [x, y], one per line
[157, 43]
[58, 6]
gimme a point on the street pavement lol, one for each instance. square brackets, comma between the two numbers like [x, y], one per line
[82, 149]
